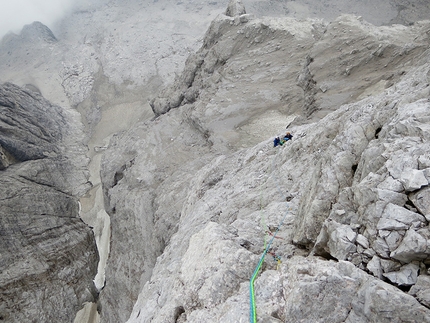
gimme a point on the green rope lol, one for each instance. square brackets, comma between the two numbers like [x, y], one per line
[252, 308]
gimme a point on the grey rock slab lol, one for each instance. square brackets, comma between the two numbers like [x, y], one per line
[392, 196]
[225, 273]
[424, 161]
[388, 265]
[369, 252]
[381, 247]
[391, 184]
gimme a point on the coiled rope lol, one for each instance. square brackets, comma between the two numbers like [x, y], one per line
[252, 307]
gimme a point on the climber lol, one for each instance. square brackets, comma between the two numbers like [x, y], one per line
[277, 142]
[288, 136]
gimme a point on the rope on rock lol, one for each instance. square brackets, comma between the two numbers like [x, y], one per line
[253, 309]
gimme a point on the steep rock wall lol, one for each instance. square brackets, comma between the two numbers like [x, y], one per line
[48, 255]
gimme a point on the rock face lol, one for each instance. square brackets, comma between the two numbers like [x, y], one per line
[188, 231]
[48, 255]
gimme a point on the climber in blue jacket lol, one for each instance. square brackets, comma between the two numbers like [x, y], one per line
[277, 142]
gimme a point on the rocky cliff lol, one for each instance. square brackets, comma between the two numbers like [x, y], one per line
[191, 181]
[48, 255]
[194, 194]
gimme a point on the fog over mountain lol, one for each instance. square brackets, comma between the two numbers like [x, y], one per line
[140, 182]
[15, 14]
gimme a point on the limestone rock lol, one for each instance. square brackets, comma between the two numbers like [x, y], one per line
[421, 200]
[421, 290]
[423, 162]
[401, 214]
[406, 276]
[413, 179]
[381, 247]
[388, 265]
[354, 95]
[390, 224]
[336, 240]
[393, 239]
[210, 244]
[342, 168]
[48, 255]
[391, 184]
[348, 290]
[23, 140]
[374, 266]
[362, 241]
[413, 247]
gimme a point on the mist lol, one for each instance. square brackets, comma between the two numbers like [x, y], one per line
[17, 13]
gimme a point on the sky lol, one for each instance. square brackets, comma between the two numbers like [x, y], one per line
[14, 14]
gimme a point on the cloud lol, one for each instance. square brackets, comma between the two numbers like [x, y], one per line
[14, 14]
